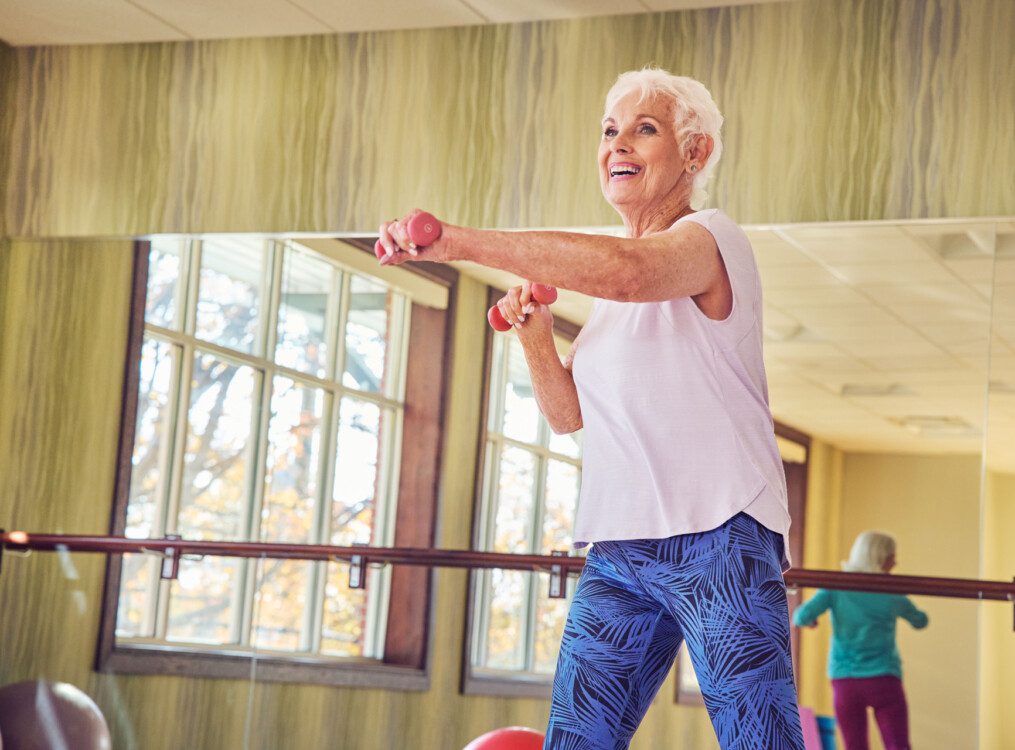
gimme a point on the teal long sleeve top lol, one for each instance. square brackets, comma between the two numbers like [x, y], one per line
[863, 630]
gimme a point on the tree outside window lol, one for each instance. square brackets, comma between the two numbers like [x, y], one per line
[528, 501]
[270, 403]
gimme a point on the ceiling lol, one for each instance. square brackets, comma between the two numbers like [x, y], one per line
[45, 22]
[877, 335]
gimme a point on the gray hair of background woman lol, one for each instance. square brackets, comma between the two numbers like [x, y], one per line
[694, 113]
[870, 551]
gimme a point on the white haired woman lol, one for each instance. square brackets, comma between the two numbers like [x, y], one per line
[864, 662]
[683, 494]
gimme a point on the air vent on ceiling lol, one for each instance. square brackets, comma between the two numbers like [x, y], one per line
[937, 426]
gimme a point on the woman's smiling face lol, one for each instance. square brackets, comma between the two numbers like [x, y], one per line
[639, 157]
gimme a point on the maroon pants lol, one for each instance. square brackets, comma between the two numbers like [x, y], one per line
[885, 695]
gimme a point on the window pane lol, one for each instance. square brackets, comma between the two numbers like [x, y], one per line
[281, 602]
[345, 614]
[137, 577]
[294, 463]
[216, 462]
[154, 415]
[366, 336]
[550, 617]
[164, 268]
[521, 414]
[202, 601]
[303, 312]
[505, 635]
[356, 473]
[515, 501]
[229, 303]
[567, 445]
[562, 482]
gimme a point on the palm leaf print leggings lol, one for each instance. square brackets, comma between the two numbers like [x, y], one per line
[722, 591]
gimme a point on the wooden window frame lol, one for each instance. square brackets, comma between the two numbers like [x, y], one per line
[405, 664]
[502, 684]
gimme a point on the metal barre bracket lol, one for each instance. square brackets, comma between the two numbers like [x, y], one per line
[558, 578]
[170, 560]
[358, 569]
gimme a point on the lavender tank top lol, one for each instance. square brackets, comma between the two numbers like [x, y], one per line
[678, 436]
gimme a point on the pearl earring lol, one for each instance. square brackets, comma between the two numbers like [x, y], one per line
[694, 167]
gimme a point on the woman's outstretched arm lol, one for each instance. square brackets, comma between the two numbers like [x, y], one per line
[807, 613]
[680, 262]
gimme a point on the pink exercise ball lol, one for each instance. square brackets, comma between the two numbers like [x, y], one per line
[40, 715]
[508, 738]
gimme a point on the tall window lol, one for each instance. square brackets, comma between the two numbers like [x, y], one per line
[528, 500]
[270, 405]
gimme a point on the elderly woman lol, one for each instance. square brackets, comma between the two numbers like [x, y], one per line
[864, 663]
[683, 495]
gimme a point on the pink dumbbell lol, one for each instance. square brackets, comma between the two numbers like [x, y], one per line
[541, 293]
[424, 230]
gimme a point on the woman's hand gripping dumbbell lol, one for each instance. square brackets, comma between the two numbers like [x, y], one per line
[422, 230]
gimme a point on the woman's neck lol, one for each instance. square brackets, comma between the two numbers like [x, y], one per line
[654, 219]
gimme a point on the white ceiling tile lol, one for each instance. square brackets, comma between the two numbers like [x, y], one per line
[916, 293]
[235, 18]
[957, 334]
[884, 247]
[797, 276]
[790, 299]
[380, 15]
[41, 22]
[976, 270]
[940, 361]
[516, 11]
[1004, 271]
[861, 332]
[852, 316]
[893, 274]
[772, 250]
[874, 350]
[927, 313]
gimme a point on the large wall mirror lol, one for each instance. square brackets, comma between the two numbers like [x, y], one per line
[891, 345]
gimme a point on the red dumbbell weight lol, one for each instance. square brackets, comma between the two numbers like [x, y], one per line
[544, 295]
[424, 230]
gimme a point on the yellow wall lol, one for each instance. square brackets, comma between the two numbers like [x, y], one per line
[931, 504]
[821, 551]
[63, 306]
[835, 110]
[997, 641]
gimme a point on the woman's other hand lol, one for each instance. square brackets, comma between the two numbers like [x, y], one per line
[527, 316]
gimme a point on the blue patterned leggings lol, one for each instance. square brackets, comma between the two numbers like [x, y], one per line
[722, 591]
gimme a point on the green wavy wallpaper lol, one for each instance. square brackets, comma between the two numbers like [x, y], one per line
[865, 109]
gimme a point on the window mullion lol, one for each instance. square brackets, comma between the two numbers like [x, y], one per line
[489, 512]
[535, 545]
[257, 450]
[182, 388]
[337, 365]
[322, 522]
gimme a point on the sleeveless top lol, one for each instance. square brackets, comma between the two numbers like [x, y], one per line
[678, 437]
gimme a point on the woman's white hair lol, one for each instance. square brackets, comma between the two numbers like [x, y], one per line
[870, 551]
[694, 112]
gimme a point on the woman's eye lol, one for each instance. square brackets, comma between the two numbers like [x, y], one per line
[646, 128]
[610, 132]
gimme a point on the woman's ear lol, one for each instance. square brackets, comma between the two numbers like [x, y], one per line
[702, 149]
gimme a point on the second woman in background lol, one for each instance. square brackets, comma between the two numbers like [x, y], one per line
[864, 662]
